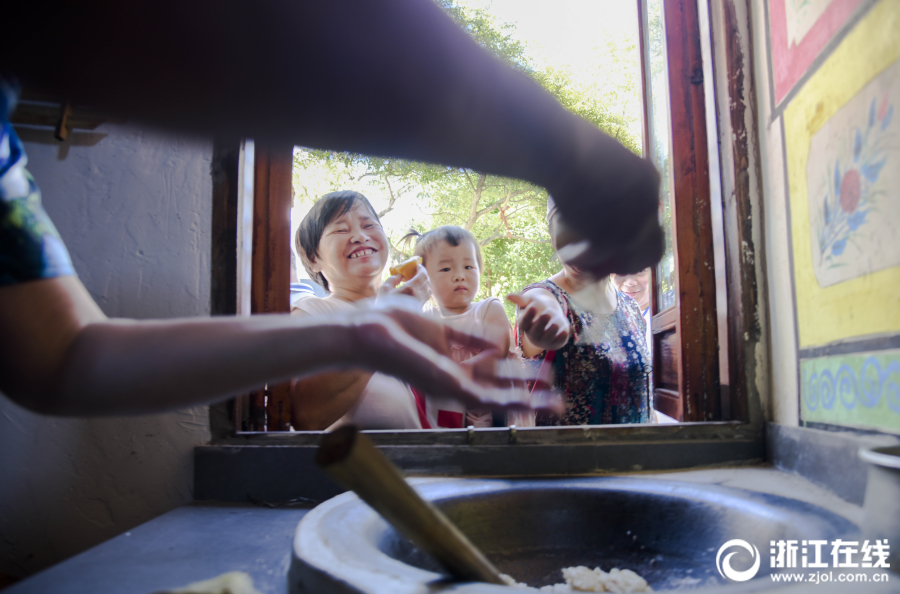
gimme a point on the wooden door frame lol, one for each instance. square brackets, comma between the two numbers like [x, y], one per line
[695, 325]
[269, 409]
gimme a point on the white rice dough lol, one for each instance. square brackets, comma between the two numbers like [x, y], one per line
[582, 579]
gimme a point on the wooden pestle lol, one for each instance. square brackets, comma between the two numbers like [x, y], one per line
[353, 460]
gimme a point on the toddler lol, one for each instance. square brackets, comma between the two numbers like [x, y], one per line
[452, 257]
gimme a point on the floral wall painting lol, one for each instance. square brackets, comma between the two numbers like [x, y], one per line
[842, 139]
[853, 185]
[799, 30]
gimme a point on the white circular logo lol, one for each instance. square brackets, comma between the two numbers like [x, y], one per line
[724, 566]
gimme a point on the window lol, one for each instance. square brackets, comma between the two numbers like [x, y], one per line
[700, 368]
[686, 371]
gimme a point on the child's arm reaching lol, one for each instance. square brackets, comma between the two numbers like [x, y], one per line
[541, 320]
[497, 328]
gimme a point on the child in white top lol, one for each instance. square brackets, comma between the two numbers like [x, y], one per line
[452, 257]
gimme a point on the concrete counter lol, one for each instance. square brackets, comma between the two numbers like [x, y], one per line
[205, 539]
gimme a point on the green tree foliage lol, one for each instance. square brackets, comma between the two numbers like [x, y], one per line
[507, 216]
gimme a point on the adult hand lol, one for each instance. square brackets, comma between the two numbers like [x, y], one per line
[396, 340]
[601, 259]
[541, 319]
[479, 420]
[610, 198]
[418, 287]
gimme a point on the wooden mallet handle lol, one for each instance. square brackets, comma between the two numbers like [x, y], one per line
[353, 460]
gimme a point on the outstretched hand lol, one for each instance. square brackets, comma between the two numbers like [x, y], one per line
[610, 198]
[541, 320]
[397, 340]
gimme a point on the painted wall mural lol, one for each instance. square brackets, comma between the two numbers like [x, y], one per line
[853, 185]
[842, 151]
[860, 390]
[800, 16]
[841, 145]
[799, 30]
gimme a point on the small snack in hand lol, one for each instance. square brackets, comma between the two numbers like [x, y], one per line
[407, 268]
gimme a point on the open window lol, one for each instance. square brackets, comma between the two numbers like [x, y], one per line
[698, 351]
[688, 377]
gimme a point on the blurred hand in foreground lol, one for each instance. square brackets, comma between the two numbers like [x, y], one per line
[398, 340]
[608, 201]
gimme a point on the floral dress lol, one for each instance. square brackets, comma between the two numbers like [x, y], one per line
[30, 246]
[604, 369]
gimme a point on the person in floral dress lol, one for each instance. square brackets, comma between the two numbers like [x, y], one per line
[593, 336]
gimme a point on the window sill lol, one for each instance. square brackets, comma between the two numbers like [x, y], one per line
[279, 467]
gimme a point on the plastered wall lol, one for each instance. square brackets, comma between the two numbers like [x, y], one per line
[827, 77]
[783, 405]
[134, 209]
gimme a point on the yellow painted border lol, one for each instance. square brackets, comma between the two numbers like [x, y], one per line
[869, 304]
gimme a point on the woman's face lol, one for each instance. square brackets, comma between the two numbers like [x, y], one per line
[636, 286]
[353, 249]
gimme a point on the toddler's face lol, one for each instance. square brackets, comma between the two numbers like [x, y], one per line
[454, 274]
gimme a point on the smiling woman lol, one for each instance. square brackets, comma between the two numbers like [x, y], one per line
[637, 286]
[342, 245]
[344, 249]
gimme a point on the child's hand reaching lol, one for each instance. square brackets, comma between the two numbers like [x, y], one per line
[541, 320]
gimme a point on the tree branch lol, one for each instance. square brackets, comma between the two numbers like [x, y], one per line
[486, 241]
[473, 212]
[520, 238]
[469, 179]
[530, 198]
[392, 197]
[503, 234]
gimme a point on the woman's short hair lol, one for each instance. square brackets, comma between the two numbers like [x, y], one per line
[449, 233]
[312, 227]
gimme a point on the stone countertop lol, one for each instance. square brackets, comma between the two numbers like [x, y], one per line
[204, 539]
[192, 543]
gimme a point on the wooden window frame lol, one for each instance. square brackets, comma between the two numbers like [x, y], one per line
[685, 335]
[710, 340]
